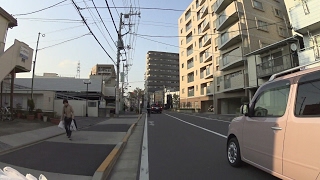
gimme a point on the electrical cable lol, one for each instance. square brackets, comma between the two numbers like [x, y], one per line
[111, 16]
[64, 41]
[77, 8]
[41, 9]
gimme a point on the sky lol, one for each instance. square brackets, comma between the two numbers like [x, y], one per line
[62, 23]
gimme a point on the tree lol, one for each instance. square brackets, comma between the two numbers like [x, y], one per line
[176, 100]
[136, 96]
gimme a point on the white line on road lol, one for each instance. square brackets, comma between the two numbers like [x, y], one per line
[221, 135]
[207, 118]
[144, 163]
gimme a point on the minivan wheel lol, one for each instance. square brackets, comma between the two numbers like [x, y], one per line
[233, 152]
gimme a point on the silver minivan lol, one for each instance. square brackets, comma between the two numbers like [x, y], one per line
[279, 130]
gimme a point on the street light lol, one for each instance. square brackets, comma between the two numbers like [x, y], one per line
[87, 83]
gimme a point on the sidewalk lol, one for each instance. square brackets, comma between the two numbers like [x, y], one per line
[105, 137]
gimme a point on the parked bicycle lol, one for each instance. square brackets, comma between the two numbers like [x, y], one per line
[5, 114]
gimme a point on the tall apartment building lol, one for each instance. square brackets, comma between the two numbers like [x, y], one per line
[162, 71]
[214, 38]
[305, 20]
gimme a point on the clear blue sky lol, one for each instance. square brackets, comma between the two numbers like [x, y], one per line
[62, 59]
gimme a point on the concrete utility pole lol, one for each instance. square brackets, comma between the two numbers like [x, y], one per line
[34, 64]
[120, 46]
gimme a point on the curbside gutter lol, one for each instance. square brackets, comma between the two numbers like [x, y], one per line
[107, 165]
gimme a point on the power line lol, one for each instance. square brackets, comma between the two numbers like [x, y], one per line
[94, 19]
[164, 36]
[111, 16]
[103, 22]
[77, 8]
[64, 41]
[40, 9]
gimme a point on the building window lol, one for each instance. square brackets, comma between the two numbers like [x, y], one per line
[182, 90]
[282, 31]
[181, 20]
[181, 42]
[182, 78]
[278, 13]
[182, 66]
[257, 4]
[261, 25]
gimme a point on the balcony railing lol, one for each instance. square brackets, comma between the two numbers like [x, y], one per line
[190, 79]
[220, 5]
[231, 37]
[210, 89]
[188, 27]
[207, 56]
[305, 17]
[228, 16]
[233, 59]
[275, 65]
[189, 39]
[190, 93]
[190, 65]
[309, 55]
[201, 74]
[204, 11]
[234, 81]
[205, 26]
[189, 52]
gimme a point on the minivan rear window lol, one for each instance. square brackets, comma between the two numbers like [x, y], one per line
[308, 96]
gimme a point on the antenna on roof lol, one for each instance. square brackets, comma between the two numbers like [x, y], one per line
[78, 70]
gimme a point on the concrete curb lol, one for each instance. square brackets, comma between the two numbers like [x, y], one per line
[107, 165]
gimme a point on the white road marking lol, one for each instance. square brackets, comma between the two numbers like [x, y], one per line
[144, 163]
[206, 118]
[221, 135]
[151, 123]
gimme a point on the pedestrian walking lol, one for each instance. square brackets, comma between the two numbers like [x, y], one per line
[67, 116]
[148, 109]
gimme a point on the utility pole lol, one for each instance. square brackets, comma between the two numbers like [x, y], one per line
[34, 64]
[120, 46]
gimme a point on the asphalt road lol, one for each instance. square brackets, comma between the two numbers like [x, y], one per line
[188, 147]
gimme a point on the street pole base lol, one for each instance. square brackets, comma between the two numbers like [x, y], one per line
[86, 115]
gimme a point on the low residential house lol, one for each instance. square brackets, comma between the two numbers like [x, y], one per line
[272, 59]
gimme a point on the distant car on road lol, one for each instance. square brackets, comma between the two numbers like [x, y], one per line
[112, 108]
[156, 108]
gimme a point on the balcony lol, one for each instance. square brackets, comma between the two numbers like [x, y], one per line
[209, 72]
[305, 17]
[206, 40]
[232, 60]
[207, 56]
[191, 93]
[190, 79]
[204, 11]
[205, 26]
[266, 69]
[201, 74]
[231, 37]
[309, 55]
[233, 82]
[210, 89]
[229, 16]
[220, 5]
[202, 1]
[189, 39]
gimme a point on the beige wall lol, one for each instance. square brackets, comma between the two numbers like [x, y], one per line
[11, 59]
[3, 32]
[78, 106]
[250, 34]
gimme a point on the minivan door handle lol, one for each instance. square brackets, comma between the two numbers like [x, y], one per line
[276, 128]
